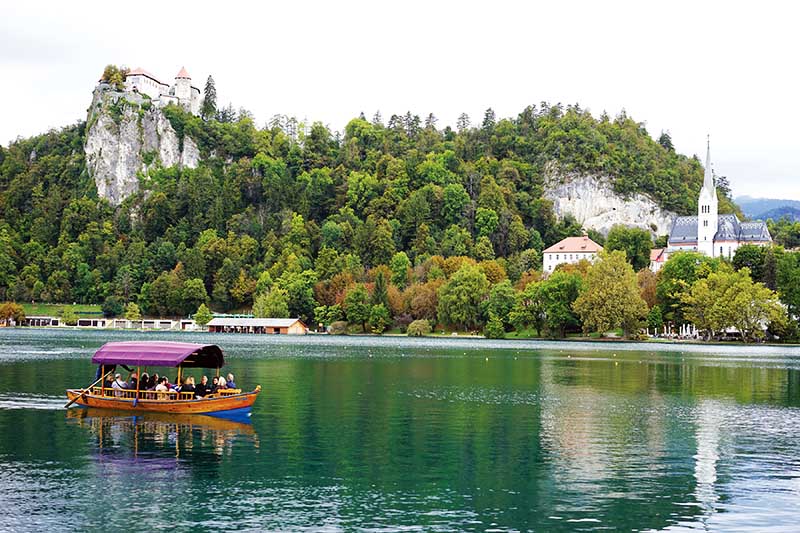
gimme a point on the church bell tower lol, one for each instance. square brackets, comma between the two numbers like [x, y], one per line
[707, 210]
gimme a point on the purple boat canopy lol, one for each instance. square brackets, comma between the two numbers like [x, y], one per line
[159, 353]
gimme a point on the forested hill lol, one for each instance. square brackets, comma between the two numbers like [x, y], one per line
[295, 207]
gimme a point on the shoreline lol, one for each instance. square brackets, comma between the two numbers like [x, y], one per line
[585, 340]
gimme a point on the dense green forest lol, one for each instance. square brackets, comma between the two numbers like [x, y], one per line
[302, 217]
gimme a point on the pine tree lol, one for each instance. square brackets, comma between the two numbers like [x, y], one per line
[666, 141]
[430, 121]
[203, 315]
[463, 122]
[208, 108]
[489, 119]
[380, 295]
[227, 114]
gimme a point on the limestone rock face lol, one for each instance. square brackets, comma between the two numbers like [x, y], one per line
[124, 138]
[591, 200]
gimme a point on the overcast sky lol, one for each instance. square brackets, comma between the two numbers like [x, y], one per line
[725, 68]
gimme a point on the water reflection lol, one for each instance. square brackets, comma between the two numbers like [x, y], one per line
[710, 416]
[121, 434]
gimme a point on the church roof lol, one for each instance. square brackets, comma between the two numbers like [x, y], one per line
[183, 74]
[754, 232]
[574, 244]
[727, 228]
[684, 230]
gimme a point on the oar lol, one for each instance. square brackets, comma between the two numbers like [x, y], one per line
[87, 389]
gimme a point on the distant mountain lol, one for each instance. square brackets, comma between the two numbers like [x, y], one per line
[792, 213]
[764, 208]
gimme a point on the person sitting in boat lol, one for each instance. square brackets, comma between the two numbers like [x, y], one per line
[201, 389]
[144, 384]
[214, 385]
[154, 381]
[221, 383]
[133, 379]
[162, 387]
[231, 383]
[118, 384]
[188, 385]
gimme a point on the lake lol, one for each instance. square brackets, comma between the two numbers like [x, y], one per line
[388, 434]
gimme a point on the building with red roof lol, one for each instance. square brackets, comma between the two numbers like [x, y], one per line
[570, 250]
[181, 92]
[658, 256]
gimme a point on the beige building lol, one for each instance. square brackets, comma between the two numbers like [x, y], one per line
[263, 326]
[570, 250]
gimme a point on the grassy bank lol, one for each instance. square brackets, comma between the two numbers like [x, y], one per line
[54, 309]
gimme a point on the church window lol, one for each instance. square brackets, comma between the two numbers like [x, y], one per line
[720, 250]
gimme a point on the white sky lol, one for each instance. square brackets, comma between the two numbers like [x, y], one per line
[725, 68]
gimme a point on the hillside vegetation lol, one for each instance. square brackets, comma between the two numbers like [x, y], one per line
[303, 215]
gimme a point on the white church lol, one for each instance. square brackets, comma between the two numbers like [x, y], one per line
[181, 92]
[709, 232]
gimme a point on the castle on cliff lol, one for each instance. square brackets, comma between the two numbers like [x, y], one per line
[181, 92]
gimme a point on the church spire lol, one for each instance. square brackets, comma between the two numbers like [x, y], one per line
[708, 177]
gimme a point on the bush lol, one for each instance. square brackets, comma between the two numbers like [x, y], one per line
[338, 328]
[403, 320]
[419, 328]
[379, 319]
[494, 328]
[68, 316]
[112, 307]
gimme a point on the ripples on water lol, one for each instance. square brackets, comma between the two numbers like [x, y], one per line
[414, 435]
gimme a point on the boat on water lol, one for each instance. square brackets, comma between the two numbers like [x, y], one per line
[144, 355]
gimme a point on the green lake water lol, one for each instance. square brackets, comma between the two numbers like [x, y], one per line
[396, 434]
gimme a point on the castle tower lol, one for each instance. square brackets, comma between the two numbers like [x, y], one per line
[183, 85]
[707, 210]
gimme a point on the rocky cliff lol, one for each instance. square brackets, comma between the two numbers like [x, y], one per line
[125, 136]
[591, 200]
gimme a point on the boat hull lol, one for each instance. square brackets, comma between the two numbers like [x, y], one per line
[233, 405]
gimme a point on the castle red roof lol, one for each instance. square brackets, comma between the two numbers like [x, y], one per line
[138, 71]
[183, 74]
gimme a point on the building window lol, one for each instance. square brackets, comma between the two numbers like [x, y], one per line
[720, 250]
[556, 257]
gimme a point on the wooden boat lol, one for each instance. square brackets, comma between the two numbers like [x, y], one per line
[159, 354]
